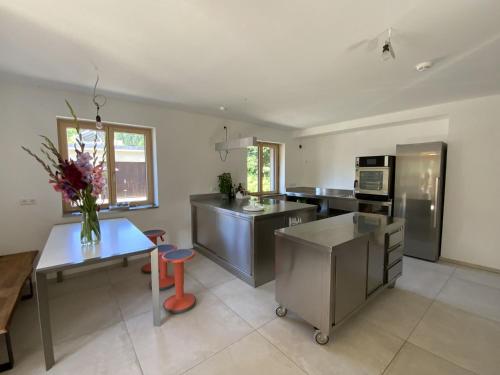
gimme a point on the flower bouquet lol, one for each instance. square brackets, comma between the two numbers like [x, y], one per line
[80, 181]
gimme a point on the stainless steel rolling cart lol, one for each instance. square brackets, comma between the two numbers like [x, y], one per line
[328, 269]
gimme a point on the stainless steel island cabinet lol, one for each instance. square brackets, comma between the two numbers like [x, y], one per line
[327, 269]
[243, 242]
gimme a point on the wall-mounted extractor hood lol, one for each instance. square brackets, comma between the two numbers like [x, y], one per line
[233, 144]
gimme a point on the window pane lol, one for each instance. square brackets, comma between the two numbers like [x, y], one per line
[130, 167]
[268, 169]
[252, 169]
[89, 136]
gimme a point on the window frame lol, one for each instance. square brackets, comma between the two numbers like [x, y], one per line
[110, 129]
[260, 146]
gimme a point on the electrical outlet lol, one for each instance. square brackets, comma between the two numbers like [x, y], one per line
[27, 202]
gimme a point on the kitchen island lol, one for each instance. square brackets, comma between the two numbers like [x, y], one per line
[327, 269]
[240, 241]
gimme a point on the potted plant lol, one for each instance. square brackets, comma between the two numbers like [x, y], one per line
[226, 184]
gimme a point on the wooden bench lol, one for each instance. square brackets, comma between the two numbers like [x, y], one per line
[15, 271]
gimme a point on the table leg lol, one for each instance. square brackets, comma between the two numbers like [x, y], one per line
[155, 288]
[44, 317]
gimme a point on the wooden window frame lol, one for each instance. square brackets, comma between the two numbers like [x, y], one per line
[276, 147]
[110, 129]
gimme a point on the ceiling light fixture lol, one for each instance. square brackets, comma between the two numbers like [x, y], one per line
[387, 49]
[99, 101]
[423, 66]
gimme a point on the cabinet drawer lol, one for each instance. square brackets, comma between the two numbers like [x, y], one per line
[394, 255]
[395, 238]
[394, 271]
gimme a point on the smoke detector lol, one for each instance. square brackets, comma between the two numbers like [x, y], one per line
[426, 65]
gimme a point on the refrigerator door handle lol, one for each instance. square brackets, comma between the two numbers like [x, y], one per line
[436, 197]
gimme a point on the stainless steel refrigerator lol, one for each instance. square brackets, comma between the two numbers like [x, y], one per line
[419, 196]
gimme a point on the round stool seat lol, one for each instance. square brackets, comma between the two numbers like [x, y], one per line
[163, 248]
[154, 233]
[178, 256]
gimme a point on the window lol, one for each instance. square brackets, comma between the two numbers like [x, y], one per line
[128, 162]
[263, 168]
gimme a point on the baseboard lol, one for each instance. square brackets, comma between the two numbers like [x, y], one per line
[471, 265]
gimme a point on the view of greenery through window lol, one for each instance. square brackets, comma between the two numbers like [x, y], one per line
[253, 169]
[267, 172]
[130, 167]
[128, 154]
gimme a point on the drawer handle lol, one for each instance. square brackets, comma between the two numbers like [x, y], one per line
[395, 247]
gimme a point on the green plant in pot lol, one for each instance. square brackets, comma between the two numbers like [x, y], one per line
[226, 184]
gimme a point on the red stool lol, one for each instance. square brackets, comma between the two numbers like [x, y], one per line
[153, 236]
[166, 281]
[181, 301]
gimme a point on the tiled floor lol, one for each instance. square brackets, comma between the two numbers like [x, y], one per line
[438, 320]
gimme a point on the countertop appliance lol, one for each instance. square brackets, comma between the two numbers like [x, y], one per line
[419, 196]
[374, 177]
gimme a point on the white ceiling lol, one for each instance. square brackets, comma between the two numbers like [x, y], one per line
[297, 63]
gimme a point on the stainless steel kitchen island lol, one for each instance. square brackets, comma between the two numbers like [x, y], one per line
[243, 242]
[327, 269]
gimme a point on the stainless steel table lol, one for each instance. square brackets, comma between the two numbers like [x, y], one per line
[119, 238]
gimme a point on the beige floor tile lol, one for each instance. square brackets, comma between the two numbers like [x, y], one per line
[185, 340]
[118, 273]
[76, 283]
[80, 313]
[397, 311]
[208, 273]
[423, 278]
[358, 347]
[256, 305]
[441, 267]
[134, 294]
[469, 296]
[412, 360]
[108, 351]
[478, 276]
[28, 362]
[460, 337]
[249, 356]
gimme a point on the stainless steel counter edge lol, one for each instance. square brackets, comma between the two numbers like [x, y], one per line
[323, 248]
[388, 228]
[289, 207]
[311, 192]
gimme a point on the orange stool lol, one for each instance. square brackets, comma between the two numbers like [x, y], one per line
[181, 301]
[166, 281]
[153, 236]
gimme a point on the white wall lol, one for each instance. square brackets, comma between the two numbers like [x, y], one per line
[328, 160]
[472, 201]
[187, 162]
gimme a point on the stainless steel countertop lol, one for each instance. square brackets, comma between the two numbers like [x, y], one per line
[334, 231]
[316, 192]
[235, 206]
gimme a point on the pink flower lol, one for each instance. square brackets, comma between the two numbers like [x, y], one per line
[98, 181]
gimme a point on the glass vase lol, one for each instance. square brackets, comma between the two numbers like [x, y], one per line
[91, 230]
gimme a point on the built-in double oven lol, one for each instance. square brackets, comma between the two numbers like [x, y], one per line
[375, 181]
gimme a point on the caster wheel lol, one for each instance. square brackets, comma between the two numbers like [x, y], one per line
[320, 338]
[281, 311]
